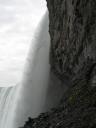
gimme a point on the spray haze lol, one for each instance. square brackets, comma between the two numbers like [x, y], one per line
[31, 96]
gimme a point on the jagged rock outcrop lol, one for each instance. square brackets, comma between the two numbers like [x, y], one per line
[72, 57]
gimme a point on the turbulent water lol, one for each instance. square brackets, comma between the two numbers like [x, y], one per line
[20, 102]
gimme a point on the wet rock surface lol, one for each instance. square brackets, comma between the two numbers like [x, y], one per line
[72, 30]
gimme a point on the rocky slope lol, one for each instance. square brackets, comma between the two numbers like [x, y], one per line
[72, 57]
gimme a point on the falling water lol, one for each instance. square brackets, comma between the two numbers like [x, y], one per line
[20, 102]
[32, 93]
[7, 96]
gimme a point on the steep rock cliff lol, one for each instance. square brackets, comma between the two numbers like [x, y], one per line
[72, 30]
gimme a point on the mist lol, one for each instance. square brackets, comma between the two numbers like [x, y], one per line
[32, 93]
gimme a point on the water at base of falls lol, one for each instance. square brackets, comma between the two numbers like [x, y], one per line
[20, 102]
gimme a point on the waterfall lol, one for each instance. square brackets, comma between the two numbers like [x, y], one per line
[7, 96]
[32, 93]
[19, 102]
[39, 89]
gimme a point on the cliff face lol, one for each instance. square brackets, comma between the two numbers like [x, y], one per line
[72, 30]
[73, 37]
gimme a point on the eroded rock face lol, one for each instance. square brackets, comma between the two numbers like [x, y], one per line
[73, 58]
[73, 36]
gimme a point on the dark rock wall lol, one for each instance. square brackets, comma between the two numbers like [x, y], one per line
[72, 30]
[73, 37]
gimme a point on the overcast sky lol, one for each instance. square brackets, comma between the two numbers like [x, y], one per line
[18, 19]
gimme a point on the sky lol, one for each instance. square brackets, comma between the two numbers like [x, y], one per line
[18, 21]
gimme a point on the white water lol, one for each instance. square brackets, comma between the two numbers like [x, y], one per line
[20, 102]
[7, 96]
[32, 93]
